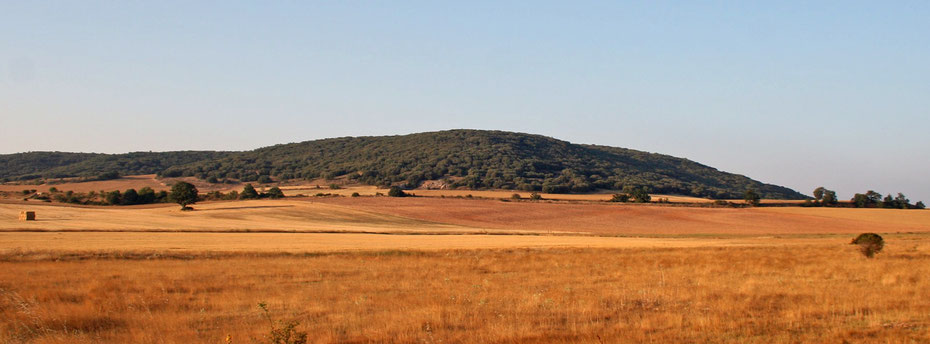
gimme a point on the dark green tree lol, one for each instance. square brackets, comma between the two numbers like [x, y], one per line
[114, 197]
[130, 197]
[161, 196]
[232, 195]
[868, 199]
[641, 195]
[829, 198]
[275, 193]
[860, 200]
[888, 202]
[752, 198]
[146, 195]
[184, 194]
[620, 197]
[396, 192]
[920, 205]
[901, 201]
[818, 193]
[248, 192]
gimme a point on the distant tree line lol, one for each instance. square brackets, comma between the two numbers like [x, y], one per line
[248, 192]
[869, 199]
[147, 195]
[872, 199]
[633, 194]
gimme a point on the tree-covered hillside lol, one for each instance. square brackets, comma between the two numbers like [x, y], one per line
[33, 165]
[463, 158]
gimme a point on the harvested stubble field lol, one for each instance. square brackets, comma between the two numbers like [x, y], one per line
[817, 292]
[451, 215]
[11, 242]
[261, 215]
[126, 182]
[638, 219]
[153, 274]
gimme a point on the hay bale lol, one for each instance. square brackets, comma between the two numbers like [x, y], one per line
[27, 216]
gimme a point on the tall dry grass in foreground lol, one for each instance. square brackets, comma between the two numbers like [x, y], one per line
[731, 295]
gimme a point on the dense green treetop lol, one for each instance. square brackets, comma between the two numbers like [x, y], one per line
[184, 193]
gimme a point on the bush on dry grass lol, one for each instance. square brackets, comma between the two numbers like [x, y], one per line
[869, 244]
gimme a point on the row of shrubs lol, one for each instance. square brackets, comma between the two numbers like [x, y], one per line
[145, 195]
[824, 197]
[248, 192]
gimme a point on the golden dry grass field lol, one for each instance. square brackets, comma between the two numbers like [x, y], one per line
[452, 270]
[823, 292]
[184, 242]
[258, 215]
[453, 215]
[136, 182]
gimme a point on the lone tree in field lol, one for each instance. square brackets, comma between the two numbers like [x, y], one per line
[869, 244]
[395, 191]
[184, 193]
[752, 198]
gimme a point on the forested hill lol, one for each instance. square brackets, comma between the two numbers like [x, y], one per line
[35, 165]
[463, 158]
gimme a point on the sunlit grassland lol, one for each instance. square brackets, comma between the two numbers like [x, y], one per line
[823, 292]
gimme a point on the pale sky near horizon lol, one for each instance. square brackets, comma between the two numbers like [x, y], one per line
[794, 93]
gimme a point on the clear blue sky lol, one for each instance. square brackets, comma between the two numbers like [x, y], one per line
[796, 93]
